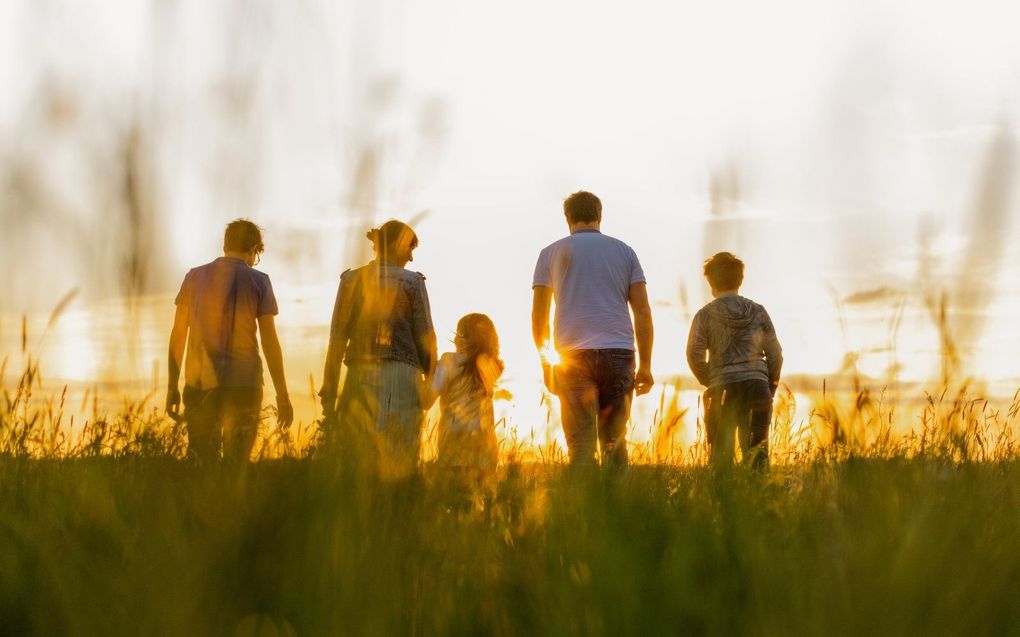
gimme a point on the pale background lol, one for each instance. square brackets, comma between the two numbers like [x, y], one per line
[860, 156]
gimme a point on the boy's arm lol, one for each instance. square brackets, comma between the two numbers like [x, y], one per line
[274, 360]
[697, 347]
[175, 359]
[644, 333]
[773, 352]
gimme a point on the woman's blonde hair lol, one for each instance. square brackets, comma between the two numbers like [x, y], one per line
[389, 235]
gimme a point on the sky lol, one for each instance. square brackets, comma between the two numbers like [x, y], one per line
[859, 156]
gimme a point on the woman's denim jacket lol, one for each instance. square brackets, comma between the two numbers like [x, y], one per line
[381, 313]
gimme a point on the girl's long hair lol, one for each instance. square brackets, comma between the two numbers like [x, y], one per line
[476, 337]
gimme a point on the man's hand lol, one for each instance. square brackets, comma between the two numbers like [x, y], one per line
[284, 411]
[643, 381]
[549, 376]
[173, 403]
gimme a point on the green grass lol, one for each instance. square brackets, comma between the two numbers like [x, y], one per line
[155, 545]
[105, 529]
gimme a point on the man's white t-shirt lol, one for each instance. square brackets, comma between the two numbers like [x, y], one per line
[590, 275]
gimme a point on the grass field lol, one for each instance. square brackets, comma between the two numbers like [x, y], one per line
[149, 545]
[861, 527]
[111, 531]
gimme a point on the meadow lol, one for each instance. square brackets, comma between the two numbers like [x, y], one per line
[877, 166]
[113, 531]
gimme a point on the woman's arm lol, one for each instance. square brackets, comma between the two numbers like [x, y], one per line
[421, 326]
[435, 385]
[339, 335]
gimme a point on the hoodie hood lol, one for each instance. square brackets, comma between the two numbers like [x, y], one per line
[734, 311]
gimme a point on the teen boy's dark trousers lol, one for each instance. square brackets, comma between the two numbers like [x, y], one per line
[742, 410]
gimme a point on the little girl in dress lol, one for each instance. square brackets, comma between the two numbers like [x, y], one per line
[465, 382]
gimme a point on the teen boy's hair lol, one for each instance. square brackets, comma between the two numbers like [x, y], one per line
[724, 271]
[582, 207]
[242, 236]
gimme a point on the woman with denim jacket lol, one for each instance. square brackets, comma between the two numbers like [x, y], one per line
[382, 330]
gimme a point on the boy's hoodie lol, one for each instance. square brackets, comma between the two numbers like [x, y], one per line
[740, 341]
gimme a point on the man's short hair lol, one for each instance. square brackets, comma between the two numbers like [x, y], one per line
[582, 207]
[724, 271]
[242, 236]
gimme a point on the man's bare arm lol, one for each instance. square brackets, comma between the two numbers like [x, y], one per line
[274, 361]
[540, 305]
[644, 333]
[175, 359]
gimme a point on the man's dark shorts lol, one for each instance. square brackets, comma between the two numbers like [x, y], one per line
[595, 387]
[222, 415]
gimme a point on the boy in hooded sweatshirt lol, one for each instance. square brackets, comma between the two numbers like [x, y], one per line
[733, 350]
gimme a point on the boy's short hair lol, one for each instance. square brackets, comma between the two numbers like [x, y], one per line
[582, 207]
[242, 235]
[724, 271]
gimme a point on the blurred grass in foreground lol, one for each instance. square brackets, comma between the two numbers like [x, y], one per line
[153, 545]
